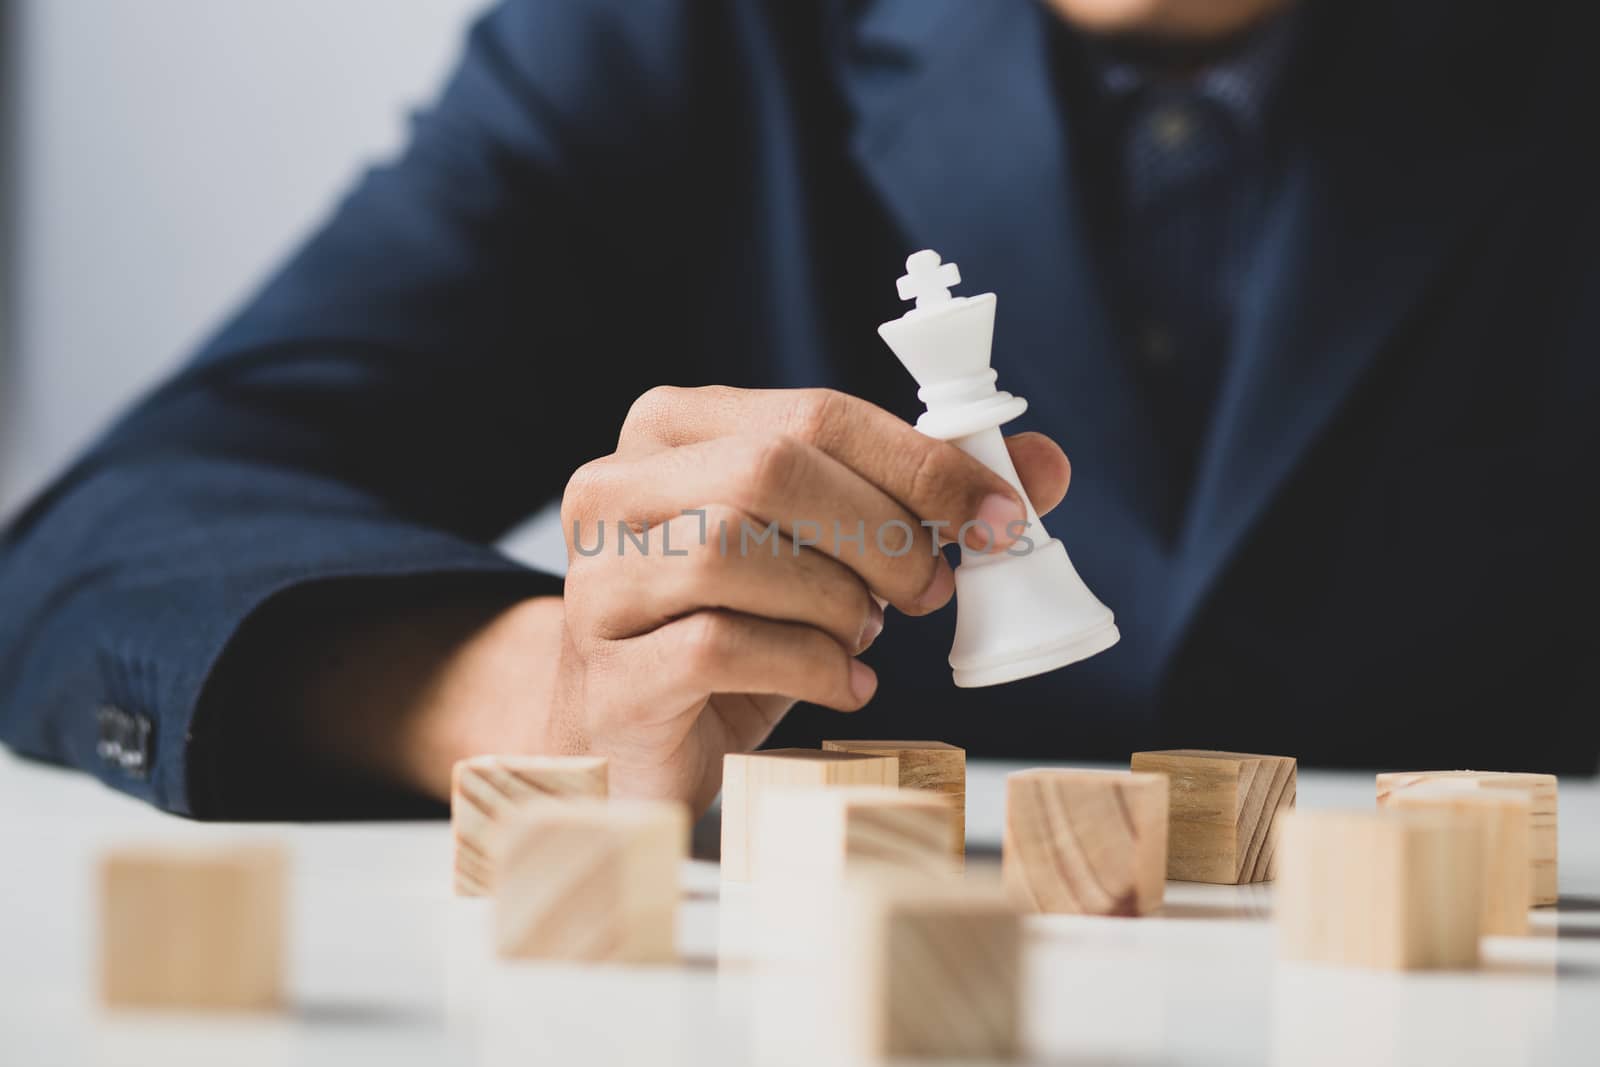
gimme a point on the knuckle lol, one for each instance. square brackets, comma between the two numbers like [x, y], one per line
[830, 669]
[919, 567]
[719, 516]
[854, 600]
[707, 639]
[603, 598]
[717, 395]
[582, 491]
[588, 599]
[650, 410]
[582, 577]
[817, 415]
[864, 604]
[705, 567]
[775, 465]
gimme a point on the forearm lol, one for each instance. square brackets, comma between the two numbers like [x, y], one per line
[142, 613]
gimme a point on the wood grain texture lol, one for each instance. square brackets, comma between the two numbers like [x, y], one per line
[1503, 817]
[591, 880]
[805, 836]
[1391, 890]
[486, 792]
[1224, 810]
[193, 929]
[933, 766]
[1542, 826]
[933, 970]
[745, 776]
[1088, 842]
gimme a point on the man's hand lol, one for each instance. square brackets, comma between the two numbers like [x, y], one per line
[670, 661]
[664, 662]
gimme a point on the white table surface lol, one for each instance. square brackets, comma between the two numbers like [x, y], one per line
[387, 967]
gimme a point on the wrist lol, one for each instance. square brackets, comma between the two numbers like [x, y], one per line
[394, 685]
[496, 693]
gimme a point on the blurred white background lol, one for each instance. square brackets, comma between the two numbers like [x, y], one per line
[164, 155]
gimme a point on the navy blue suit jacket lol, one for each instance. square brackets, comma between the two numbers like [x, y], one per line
[1389, 553]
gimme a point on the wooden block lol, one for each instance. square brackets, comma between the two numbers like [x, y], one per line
[487, 791]
[746, 775]
[591, 880]
[1394, 890]
[1503, 817]
[193, 929]
[929, 765]
[932, 970]
[804, 836]
[1224, 808]
[1542, 787]
[1089, 842]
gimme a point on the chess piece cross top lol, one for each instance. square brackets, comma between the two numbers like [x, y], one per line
[927, 280]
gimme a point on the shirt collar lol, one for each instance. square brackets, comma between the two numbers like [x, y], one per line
[1242, 84]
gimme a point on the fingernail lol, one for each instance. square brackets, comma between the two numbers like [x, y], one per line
[871, 628]
[997, 512]
[863, 680]
[939, 590]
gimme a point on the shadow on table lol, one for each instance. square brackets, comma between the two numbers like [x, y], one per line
[358, 1013]
[1243, 909]
[703, 962]
[1572, 919]
[1578, 905]
[1076, 1061]
[1540, 968]
[705, 841]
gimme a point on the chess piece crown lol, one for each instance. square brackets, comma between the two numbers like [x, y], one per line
[1024, 610]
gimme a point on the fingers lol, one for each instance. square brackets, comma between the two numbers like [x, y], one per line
[789, 488]
[932, 479]
[727, 652]
[1043, 468]
[691, 564]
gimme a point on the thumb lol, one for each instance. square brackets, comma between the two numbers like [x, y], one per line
[1043, 468]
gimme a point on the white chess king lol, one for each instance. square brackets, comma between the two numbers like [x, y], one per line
[1018, 613]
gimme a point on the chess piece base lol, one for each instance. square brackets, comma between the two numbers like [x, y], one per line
[1025, 615]
[1062, 654]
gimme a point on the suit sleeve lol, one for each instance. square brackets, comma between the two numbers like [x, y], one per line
[421, 375]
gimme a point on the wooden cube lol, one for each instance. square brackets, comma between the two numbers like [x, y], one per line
[746, 775]
[804, 836]
[591, 880]
[1393, 890]
[1224, 808]
[193, 928]
[486, 792]
[1503, 820]
[928, 765]
[1085, 841]
[1542, 825]
[932, 970]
